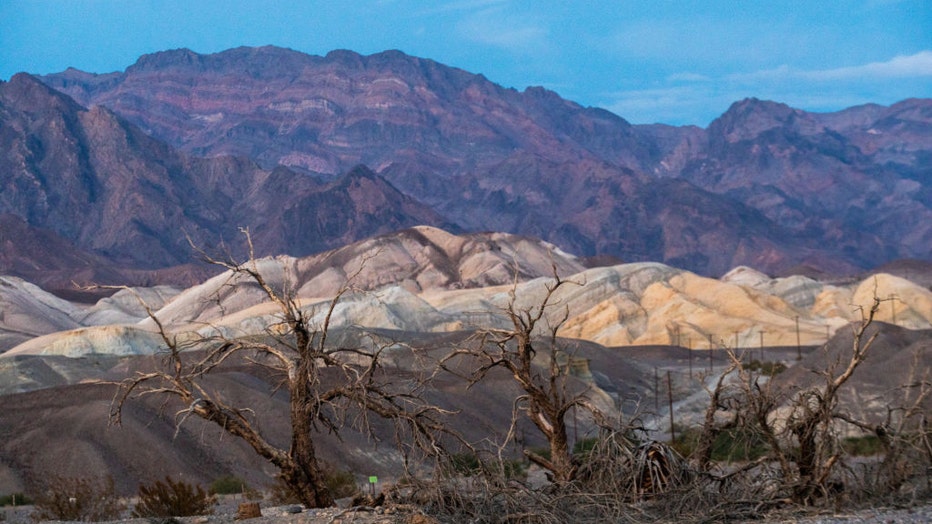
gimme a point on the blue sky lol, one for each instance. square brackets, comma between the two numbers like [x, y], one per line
[676, 62]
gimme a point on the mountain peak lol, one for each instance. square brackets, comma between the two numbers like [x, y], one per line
[182, 57]
[344, 57]
[29, 92]
[750, 107]
[362, 171]
[750, 117]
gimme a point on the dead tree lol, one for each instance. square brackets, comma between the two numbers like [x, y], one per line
[530, 351]
[719, 398]
[802, 440]
[300, 352]
[815, 412]
[904, 433]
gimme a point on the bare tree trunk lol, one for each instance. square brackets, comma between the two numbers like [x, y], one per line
[548, 395]
[563, 467]
[806, 460]
[303, 474]
[553, 426]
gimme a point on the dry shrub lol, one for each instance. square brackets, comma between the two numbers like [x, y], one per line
[485, 488]
[173, 498]
[85, 499]
[281, 493]
[339, 483]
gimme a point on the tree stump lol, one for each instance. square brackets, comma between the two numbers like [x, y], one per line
[248, 510]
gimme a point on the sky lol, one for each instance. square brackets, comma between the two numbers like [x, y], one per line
[675, 62]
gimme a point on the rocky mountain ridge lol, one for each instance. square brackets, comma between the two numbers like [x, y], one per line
[765, 185]
[98, 187]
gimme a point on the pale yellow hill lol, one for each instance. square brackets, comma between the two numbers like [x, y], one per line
[689, 310]
[111, 340]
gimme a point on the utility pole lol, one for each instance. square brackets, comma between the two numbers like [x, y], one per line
[670, 401]
[799, 351]
[656, 390]
[711, 350]
[689, 354]
[762, 346]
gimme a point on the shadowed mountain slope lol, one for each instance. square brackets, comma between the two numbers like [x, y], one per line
[124, 199]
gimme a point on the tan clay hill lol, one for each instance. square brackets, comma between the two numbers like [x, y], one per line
[427, 280]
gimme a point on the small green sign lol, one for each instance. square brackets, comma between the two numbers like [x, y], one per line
[373, 480]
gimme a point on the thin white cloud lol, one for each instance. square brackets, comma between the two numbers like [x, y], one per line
[462, 5]
[674, 104]
[497, 28]
[689, 97]
[688, 77]
[706, 41]
[911, 66]
[917, 65]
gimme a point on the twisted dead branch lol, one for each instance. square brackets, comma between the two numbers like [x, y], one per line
[300, 352]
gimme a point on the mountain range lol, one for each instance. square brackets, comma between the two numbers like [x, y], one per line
[122, 172]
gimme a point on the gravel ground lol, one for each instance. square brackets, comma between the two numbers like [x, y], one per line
[916, 515]
[226, 514]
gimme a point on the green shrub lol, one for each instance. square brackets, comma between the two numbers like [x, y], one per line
[583, 447]
[865, 446]
[227, 485]
[466, 463]
[82, 499]
[15, 499]
[769, 369]
[686, 440]
[738, 444]
[173, 498]
[731, 445]
[541, 451]
[469, 464]
[515, 469]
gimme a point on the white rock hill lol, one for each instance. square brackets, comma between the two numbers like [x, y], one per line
[427, 280]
